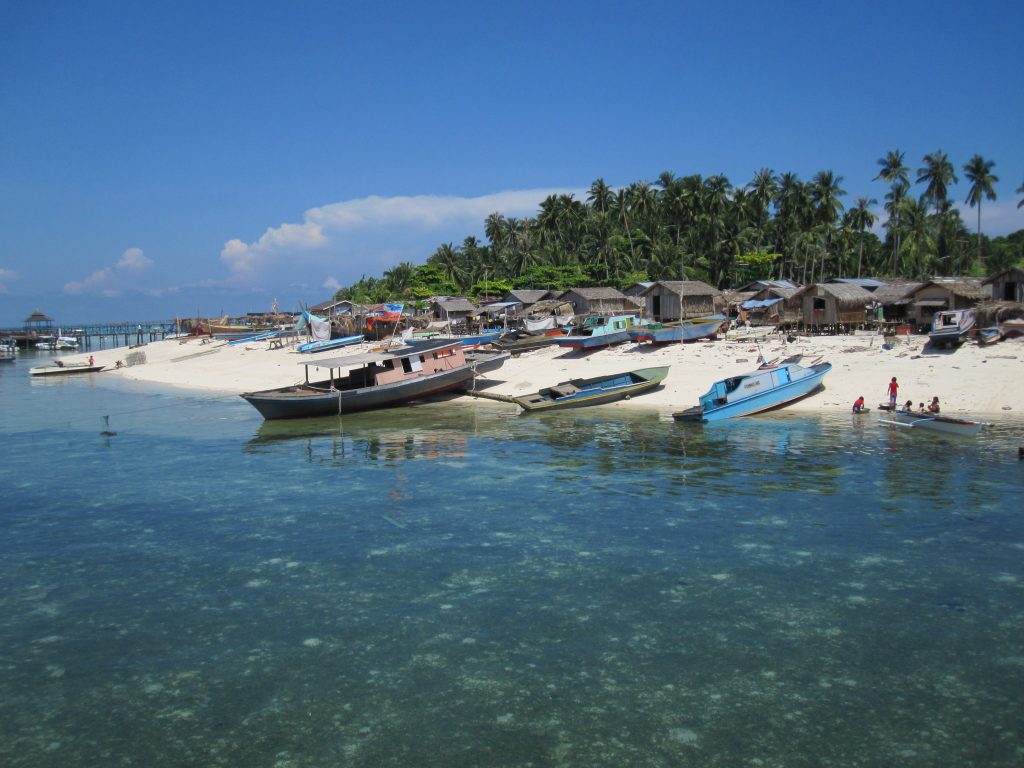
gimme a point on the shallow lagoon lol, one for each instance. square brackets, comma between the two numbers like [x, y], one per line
[458, 585]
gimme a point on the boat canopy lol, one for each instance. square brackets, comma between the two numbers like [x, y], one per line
[350, 361]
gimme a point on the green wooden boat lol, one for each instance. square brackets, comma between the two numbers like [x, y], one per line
[577, 393]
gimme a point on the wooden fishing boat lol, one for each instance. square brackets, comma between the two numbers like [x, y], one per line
[951, 326]
[311, 347]
[577, 393]
[989, 335]
[60, 368]
[518, 342]
[1012, 328]
[760, 390]
[254, 337]
[950, 425]
[486, 360]
[679, 331]
[599, 331]
[375, 380]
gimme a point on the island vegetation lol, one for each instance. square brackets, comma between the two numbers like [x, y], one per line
[707, 228]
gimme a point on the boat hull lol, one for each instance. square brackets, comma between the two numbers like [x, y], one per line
[64, 370]
[951, 327]
[516, 343]
[948, 425]
[762, 400]
[318, 399]
[593, 342]
[486, 361]
[579, 393]
[677, 333]
[322, 346]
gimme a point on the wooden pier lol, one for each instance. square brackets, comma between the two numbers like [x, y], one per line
[89, 336]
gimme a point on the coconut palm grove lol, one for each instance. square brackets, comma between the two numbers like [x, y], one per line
[777, 225]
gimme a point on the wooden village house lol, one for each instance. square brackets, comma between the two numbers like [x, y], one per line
[1008, 285]
[945, 293]
[831, 306]
[668, 300]
[599, 300]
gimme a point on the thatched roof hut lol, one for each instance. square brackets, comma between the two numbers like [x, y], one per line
[678, 299]
[600, 299]
[946, 293]
[1008, 285]
[824, 304]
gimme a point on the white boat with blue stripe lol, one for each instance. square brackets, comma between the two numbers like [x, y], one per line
[760, 390]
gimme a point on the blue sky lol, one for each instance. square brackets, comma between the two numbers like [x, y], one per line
[162, 159]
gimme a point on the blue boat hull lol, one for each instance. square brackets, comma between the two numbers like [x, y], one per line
[686, 331]
[762, 400]
[322, 346]
[593, 342]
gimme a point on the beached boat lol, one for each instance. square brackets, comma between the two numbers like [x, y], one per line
[61, 368]
[599, 331]
[760, 390]
[1012, 328]
[951, 326]
[486, 360]
[949, 425]
[577, 393]
[376, 380]
[518, 342]
[989, 335]
[254, 337]
[750, 332]
[679, 331]
[311, 347]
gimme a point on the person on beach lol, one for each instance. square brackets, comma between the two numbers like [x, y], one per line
[933, 406]
[908, 406]
[894, 388]
[858, 404]
[921, 408]
[90, 361]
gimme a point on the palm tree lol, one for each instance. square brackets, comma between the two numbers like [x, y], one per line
[861, 219]
[938, 172]
[897, 175]
[825, 194]
[978, 170]
[763, 188]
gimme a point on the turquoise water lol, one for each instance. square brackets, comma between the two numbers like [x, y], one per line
[457, 585]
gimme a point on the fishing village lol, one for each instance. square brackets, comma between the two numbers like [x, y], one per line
[955, 339]
[534, 385]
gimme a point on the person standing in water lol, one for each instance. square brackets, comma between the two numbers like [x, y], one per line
[894, 389]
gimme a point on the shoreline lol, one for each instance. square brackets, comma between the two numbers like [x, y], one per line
[967, 380]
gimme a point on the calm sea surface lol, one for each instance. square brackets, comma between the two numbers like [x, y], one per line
[457, 585]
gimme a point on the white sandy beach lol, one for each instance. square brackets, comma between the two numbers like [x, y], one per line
[967, 380]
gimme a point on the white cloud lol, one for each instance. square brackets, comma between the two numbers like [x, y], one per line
[382, 227]
[5, 276]
[111, 282]
[331, 284]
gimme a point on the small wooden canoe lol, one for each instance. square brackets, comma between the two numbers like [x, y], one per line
[949, 425]
[577, 393]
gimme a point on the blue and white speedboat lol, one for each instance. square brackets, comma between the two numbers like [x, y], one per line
[757, 391]
[950, 327]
